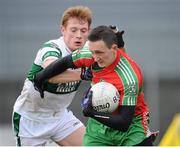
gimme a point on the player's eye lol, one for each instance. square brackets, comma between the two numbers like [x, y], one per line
[84, 30]
[73, 30]
[99, 52]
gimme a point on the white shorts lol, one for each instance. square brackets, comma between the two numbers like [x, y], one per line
[35, 133]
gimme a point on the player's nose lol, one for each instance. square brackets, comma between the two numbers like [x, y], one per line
[78, 34]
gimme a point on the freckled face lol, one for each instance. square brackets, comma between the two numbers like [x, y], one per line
[75, 33]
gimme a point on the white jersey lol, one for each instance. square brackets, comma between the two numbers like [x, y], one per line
[57, 97]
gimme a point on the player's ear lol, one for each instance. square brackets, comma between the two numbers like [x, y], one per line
[114, 46]
[62, 29]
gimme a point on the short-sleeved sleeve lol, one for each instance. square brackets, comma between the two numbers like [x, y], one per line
[50, 50]
[82, 57]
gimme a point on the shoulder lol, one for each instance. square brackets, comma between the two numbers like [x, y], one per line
[49, 49]
[84, 52]
[53, 44]
[82, 57]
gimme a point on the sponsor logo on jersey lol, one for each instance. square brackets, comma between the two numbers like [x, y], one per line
[67, 87]
[132, 89]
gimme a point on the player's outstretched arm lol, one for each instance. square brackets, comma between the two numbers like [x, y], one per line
[52, 70]
[66, 76]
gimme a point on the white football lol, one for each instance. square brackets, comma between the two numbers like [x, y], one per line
[105, 97]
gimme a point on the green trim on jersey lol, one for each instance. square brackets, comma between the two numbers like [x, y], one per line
[141, 89]
[81, 53]
[52, 45]
[51, 53]
[34, 69]
[37, 68]
[57, 53]
[129, 81]
[98, 134]
[16, 121]
[62, 88]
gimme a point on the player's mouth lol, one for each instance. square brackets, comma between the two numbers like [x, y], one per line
[78, 43]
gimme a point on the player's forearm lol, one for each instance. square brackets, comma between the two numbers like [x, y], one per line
[55, 68]
[67, 76]
[120, 122]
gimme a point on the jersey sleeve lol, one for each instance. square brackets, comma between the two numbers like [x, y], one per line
[82, 57]
[50, 50]
[130, 83]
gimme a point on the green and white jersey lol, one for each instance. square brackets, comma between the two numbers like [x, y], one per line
[53, 49]
[57, 96]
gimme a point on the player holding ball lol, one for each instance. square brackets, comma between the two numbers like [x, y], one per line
[128, 126]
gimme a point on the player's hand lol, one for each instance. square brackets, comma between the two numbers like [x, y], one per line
[38, 85]
[86, 104]
[120, 39]
[119, 34]
[114, 28]
[86, 74]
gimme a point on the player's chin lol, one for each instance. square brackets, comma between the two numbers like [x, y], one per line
[101, 65]
[78, 46]
[73, 48]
